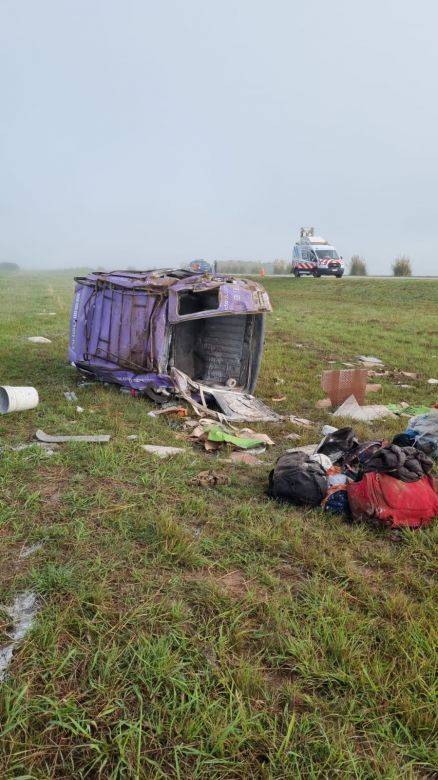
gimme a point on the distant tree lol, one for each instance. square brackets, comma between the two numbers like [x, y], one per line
[239, 267]
[281, 267]
[10, 268]
[402, 266]
[358, 266]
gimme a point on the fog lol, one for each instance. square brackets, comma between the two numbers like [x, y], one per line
[145, 134]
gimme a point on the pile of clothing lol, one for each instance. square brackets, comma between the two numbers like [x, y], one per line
[389, 482]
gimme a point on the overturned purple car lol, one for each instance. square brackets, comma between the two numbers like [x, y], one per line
[171, 333]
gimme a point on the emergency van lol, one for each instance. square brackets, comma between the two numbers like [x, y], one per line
[314, 256]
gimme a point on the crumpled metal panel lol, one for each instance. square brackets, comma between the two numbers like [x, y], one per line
[122, 324]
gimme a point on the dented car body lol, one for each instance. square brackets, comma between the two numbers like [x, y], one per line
[167, 332]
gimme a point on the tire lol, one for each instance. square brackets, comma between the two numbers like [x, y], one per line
[297, 274]
[339, 276]
[317, 275]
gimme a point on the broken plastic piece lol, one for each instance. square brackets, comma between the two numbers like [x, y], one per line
[22, 614]
[70, 396]
[163, 452]
[215, 434]
[38, 340]
[351, 408]
[370, 359]
[102, 438]
[301, 421]
[432, 381]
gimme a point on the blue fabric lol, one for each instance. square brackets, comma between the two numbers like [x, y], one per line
[338, 503]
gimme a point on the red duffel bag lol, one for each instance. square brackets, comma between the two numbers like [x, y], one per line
[393, 502]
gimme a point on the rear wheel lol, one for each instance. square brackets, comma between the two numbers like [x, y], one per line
[339, 276]
[317, 275]
[297, 273]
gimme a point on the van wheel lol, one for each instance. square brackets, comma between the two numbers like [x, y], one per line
[297, 274]
[317, 275]
[339, 276]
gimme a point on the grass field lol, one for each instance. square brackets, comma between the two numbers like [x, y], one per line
[190, 632]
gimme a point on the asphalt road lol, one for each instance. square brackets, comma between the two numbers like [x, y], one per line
[357, 278]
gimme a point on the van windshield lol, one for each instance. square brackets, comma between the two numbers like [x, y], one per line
[332, 253]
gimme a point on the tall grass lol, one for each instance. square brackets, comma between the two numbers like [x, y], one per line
[209, 633]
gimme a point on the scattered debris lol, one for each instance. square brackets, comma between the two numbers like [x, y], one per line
[351, 408]
[407, 410]
[210, 479]
[49, 449]
[132, 437]
[432, 381]
[424, 429]
[245, 457]
[293, 436]
[178, 411]
[371, 372]
[102, 438]
[17, 399]
[38, 340]
[212, 435]
[27, 551]
[163, 452]
[300, 421]
[370, 360]
[308, 449]
[79, 409]
[22, 614]
[410, 374]
[323, 403]
[373, 388]
[234, 405]
[328, 429]
[279, 380]
[70, 396]
[280, 398]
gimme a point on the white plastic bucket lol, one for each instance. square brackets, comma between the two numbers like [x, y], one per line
[17, 399]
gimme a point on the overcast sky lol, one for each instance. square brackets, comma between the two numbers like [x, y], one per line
[147, 133]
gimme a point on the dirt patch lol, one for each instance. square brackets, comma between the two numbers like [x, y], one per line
[294, 576]
[233, 583]
[52, 486]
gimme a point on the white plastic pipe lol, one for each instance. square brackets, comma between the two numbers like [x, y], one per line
[17, 399]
